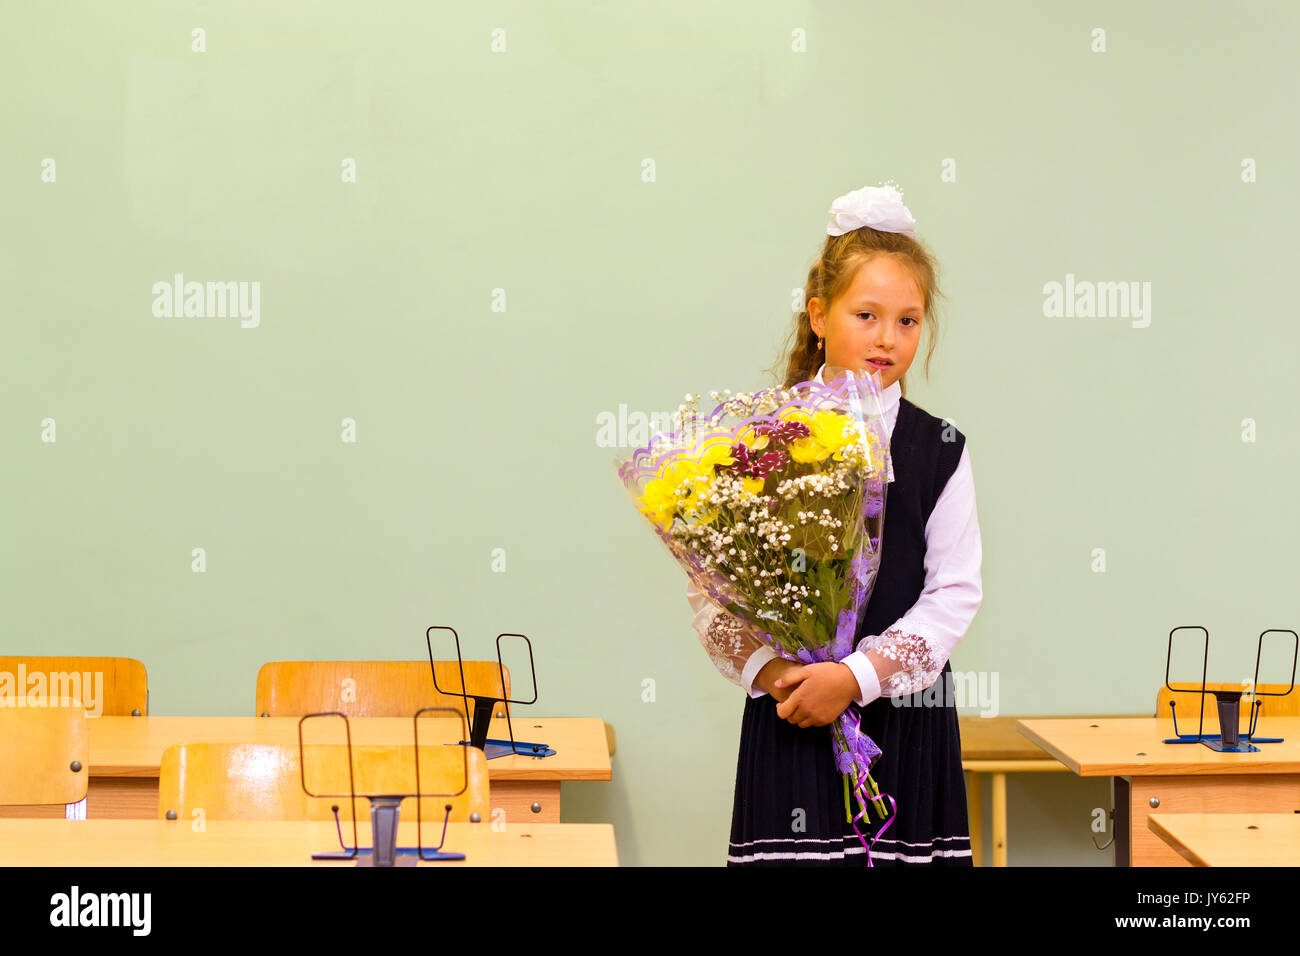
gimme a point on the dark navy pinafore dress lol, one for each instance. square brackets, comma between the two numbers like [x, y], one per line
[789, 798]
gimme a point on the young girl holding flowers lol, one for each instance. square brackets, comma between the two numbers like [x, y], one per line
[869, 297]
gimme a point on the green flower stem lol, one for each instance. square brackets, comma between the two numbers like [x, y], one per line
[878, 803]
[839, 738]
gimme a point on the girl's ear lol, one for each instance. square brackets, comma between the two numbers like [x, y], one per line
[815, 318]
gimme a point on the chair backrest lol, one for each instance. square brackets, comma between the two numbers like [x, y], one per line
[265, 781]
[371, 688]
[109, 686]
[44, 753]
[1188, 706]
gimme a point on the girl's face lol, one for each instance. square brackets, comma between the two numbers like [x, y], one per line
[878, 317]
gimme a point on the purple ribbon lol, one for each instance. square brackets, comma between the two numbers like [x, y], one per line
[862, 750]
[857, 760]
[854, 758]
[893, 809]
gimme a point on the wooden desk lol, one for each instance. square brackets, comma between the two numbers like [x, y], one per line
[125, 753]
[993, 745]
[260, 843]
[1148, 775]
[1231, 839]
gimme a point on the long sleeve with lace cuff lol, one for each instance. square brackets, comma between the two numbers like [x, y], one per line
[919, 662]
[734, 650]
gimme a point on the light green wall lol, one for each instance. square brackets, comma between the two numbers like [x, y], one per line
[476, 428]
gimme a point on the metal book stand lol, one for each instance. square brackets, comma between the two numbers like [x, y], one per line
[484, 704]
[384, 808]
[1229, 738]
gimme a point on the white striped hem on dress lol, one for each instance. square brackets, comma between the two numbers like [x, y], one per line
[901, 849]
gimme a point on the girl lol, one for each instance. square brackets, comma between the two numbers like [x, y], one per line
[869, 296]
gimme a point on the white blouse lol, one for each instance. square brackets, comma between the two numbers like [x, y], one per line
[922, 639]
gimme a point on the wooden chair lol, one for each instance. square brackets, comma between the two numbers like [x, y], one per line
[376, 688]
[44, 754]
[124, 683]
[265, 781]
[370, 688]
[1188, 706]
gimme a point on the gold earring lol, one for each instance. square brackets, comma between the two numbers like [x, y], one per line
[819, 345]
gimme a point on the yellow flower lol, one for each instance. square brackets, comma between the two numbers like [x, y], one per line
[700, 471]
[831, 434]
[804, 450]
[682, 487]
[660, 500]
[746, 437]
[808, 450]
[717, 452]
[833, 431]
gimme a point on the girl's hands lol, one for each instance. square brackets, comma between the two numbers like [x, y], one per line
[821, 692]
[768, 674]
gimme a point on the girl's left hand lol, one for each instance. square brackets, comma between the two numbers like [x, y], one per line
[821, 693]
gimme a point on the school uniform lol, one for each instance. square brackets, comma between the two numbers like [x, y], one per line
[789, 798]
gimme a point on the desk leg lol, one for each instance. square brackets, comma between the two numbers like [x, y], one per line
[1121, 798]
[975, 815]
[999, 819]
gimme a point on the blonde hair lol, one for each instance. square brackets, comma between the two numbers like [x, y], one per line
[841, 258]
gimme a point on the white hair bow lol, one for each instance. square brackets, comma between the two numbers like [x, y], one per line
[880, 207]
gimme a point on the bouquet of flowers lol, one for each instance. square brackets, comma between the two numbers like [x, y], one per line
[773, 505]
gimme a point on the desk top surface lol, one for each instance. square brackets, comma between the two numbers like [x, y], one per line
[1231, 839]
[998, 738]
[1133, 747]
[289, 843]
[133, 746]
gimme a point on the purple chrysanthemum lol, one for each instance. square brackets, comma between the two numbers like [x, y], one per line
[750, 466]
[782, 433]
